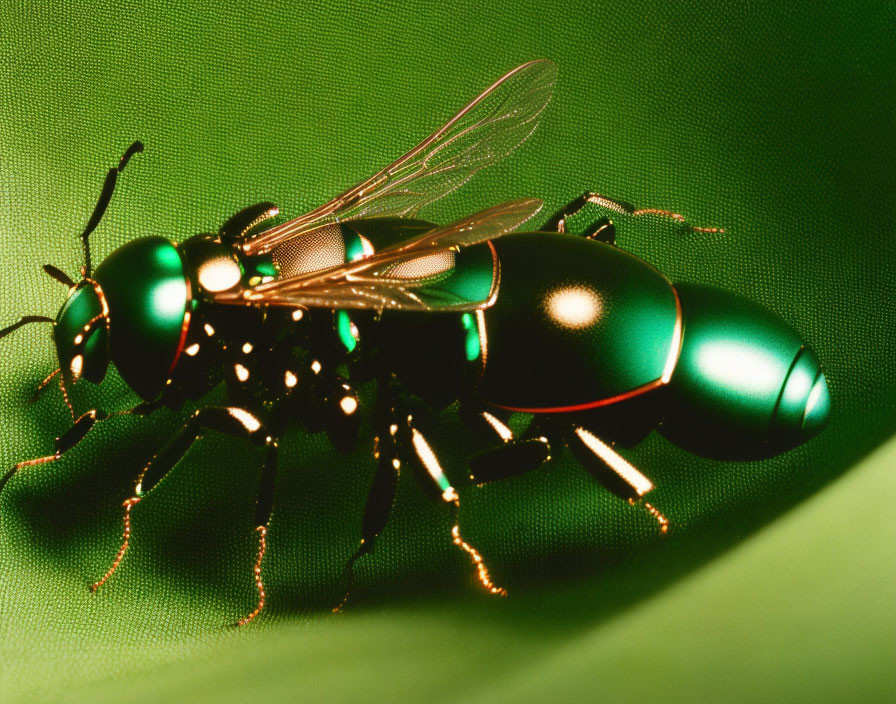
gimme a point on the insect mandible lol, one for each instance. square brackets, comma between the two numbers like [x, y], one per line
[596, 345]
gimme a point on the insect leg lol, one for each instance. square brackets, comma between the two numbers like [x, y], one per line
[264, 506]
[381, 495]
[25, 320]
[603, 229]
[105, 197]
[64, 442]
[424, 456]
[226, 419]
[59, 275]
[341, 417]
[238, 224]
[380, 499]
[613, 471]
[512, 457]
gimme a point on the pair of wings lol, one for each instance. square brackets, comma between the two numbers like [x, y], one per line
[489, 128]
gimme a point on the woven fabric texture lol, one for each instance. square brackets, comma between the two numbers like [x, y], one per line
[773, 120]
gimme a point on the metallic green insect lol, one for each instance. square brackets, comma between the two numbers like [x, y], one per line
[597, 346]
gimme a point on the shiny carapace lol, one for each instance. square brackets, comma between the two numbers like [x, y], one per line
[593, 345]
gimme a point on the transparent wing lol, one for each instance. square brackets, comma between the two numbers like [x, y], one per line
[490, 127]
[413, 275]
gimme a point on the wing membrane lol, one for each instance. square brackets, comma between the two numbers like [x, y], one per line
[373, 283]
[490, 127]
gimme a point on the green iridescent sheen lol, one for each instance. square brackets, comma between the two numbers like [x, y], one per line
[258, 267]
[354, 247]
[146, 288]
[344, 330]
[473, 345]
[742, 384]
[81, 307]
[380, 232]
[576, 322]
[818, 408]
[443, 482]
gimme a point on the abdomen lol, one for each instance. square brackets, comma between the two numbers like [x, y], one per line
[577, 324]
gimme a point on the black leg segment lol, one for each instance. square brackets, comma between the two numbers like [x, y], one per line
[64, 442]
[231, 420]
[612, 470]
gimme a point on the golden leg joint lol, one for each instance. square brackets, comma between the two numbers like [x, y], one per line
[481, 570]
[262, 546]
[125, 540]
[651, 509]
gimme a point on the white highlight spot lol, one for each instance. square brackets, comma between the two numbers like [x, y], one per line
[427, 456]
[616, 462]
[348, 405]
[219, 274]
[740, 367]
[502, 430]
[247, 348]
[250, 422]
[241, 372]
[193, 349]
[168, 298]
[77, 365]
[290, 379]
[209, 330]
[574, 306]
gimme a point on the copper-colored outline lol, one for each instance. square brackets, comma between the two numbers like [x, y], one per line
[480, 314]
[677, 342]
[668, 370]
[186, 321]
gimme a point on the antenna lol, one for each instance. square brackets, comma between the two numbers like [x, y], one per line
[103, 203]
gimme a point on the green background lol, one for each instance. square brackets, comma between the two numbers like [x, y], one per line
[776, 580]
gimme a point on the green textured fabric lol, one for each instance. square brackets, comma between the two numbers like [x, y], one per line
[775, 121]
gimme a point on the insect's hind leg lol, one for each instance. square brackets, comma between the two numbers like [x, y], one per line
[231, 420]
[612, 470]
[602, 230]
[511, 456]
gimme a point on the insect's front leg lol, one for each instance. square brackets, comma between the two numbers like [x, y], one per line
[65, 442]
[231, 420]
